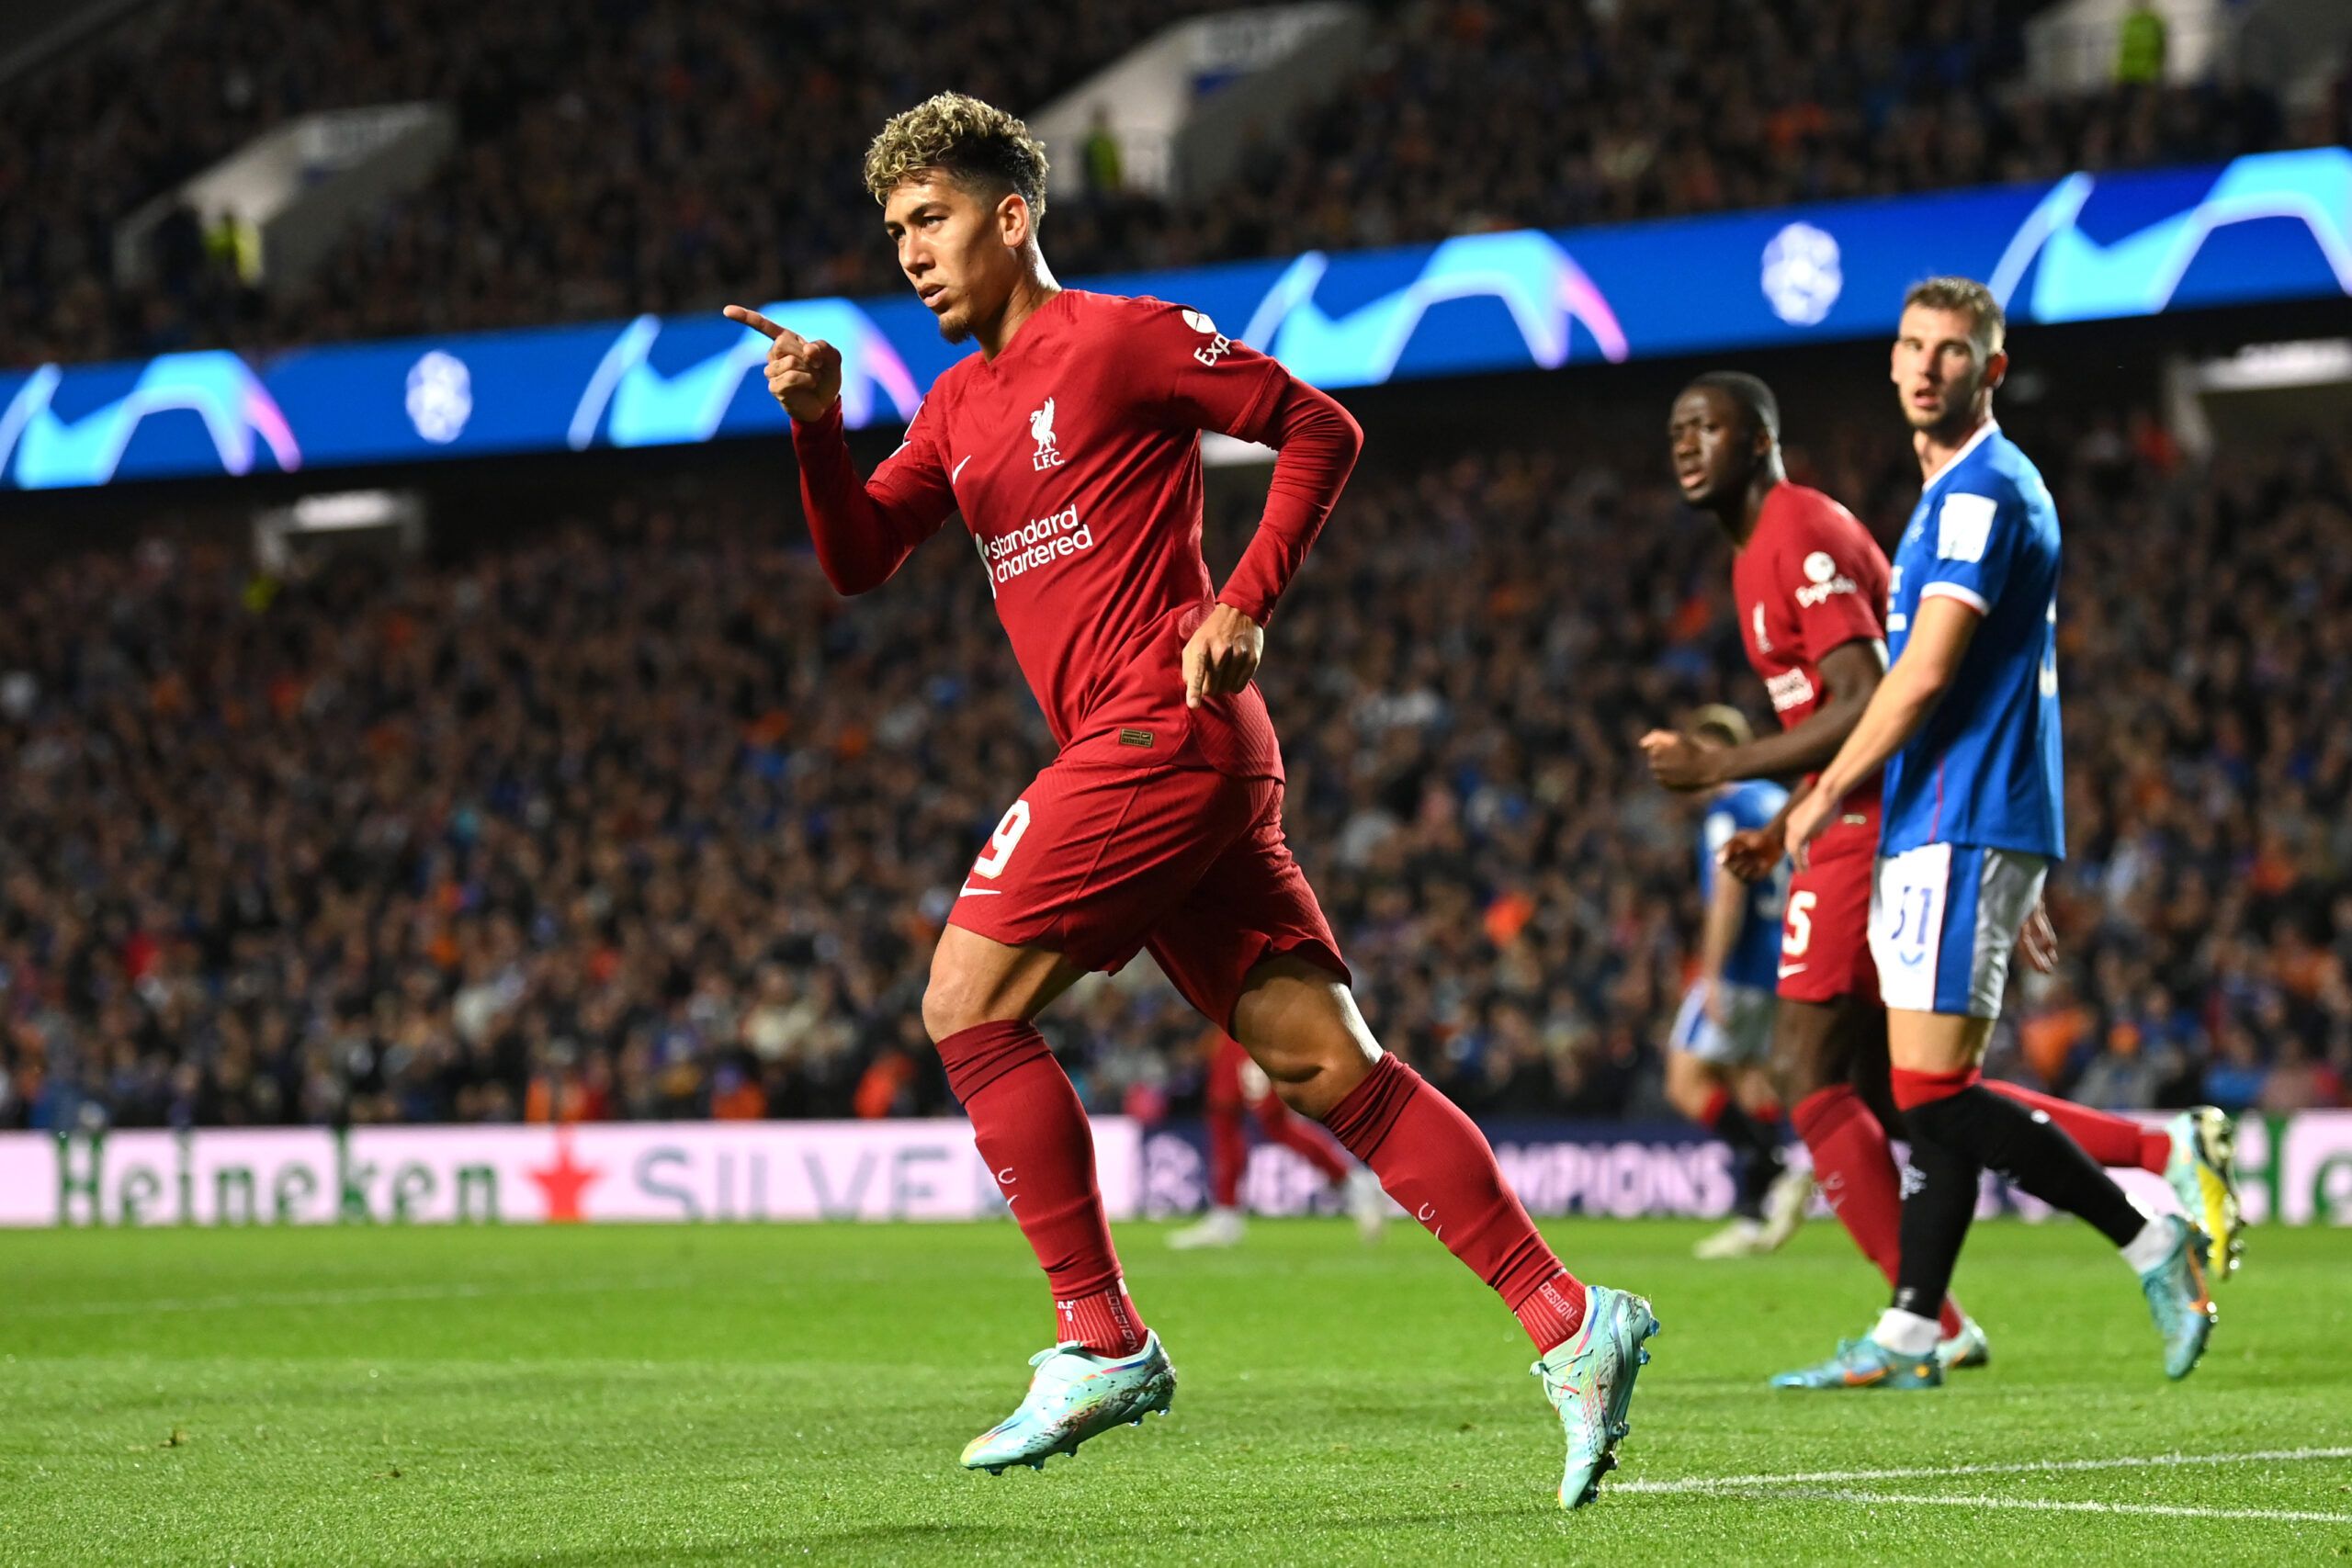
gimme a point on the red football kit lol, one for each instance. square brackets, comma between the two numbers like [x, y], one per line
[1810, 580]
[1074, 457]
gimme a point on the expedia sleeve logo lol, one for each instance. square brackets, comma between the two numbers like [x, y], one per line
[1218, 345]
[1822, 580]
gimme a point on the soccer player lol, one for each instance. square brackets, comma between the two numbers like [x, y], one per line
[1965, 725]
[1716, 1058]
[1807, 579]
[1070, 443]
[1239, 1093]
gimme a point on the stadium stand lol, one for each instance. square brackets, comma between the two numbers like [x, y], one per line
[616, 155]
[628, 817]
[1507, 114]
[648, 154]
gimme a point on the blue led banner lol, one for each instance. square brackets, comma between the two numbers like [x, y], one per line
[2276, 226]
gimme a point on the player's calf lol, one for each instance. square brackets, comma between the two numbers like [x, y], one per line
[1434, 1162]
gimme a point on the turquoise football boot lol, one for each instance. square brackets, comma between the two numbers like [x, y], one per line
[1589, 1381]
[1075, 1394]
[1967, 1348]
[2178, 1299]
[1866, 1363]
[2202, 1172]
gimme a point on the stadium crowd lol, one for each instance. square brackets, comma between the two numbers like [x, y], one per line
[1505, 113]
[614, 155]
[627, 155]
[629, 816]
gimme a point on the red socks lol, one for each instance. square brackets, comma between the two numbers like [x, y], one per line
[1033, 1133]
[1104, 1322]
[1303, 1138]
[1911, 1089]
[1228, 1154]
[1855, 1173]
[2116, 1141]
[1433, 1160]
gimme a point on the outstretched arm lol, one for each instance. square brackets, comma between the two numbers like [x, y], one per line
[863, 529]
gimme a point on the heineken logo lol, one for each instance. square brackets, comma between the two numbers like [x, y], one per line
[631, 1171]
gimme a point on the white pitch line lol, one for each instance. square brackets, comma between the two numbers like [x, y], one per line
[1940, 1473]
[2059, 1506]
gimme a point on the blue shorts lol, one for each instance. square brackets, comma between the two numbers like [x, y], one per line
[1944, 924]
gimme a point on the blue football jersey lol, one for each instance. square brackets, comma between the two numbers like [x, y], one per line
[1985, 768]
[1755, 956]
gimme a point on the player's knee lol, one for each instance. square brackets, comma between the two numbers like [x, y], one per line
[1313, 1072]
[1801, 1072]
[1689, 1086]
[1804, 1054]
[951, 1003]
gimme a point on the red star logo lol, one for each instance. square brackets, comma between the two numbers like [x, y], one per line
[563, 1182]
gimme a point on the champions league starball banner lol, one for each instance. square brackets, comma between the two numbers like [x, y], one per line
[2294, 1170]
[2271, 227]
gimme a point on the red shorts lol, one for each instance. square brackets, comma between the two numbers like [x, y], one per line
[1098, 862]
[1825, 925]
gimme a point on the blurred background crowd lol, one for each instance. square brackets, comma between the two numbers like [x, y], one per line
[628, 817]
[616, 156]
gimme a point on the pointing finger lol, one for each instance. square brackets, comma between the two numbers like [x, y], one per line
[752, 320]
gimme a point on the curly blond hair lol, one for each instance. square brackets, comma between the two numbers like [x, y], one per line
[979, 146]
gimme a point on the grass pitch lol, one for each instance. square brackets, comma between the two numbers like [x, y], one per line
[719, 1394]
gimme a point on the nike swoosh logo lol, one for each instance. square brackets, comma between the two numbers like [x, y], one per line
[1789, 969]
[972, 892]
[957, 472]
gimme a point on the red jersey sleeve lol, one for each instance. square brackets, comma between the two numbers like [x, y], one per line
[1197, 377]
[864, 530]
[1835, 577]
[1211, 382]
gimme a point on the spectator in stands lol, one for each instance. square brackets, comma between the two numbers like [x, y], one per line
[605, 153]
[623, 818]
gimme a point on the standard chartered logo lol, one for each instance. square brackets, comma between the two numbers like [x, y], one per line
[1034, 544]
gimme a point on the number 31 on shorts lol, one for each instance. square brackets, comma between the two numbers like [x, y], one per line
[1004, 841]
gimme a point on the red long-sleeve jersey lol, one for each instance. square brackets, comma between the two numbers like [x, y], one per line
[1810, 581]
[1074, 457]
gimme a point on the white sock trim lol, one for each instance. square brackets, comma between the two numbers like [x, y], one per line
[1906, 1333]
[2150, 1248]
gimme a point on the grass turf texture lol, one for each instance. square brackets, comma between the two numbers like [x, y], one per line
[664, 1394]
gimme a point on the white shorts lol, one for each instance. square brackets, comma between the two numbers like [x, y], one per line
[1745, 1036]
[1944, 922]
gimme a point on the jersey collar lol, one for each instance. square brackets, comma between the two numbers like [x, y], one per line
[1989, 427]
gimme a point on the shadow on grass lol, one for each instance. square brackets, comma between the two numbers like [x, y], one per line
[849, 1545]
